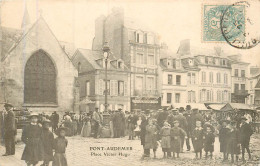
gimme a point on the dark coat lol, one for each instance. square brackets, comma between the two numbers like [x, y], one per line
[245, 134]
[176, 134]
[132, 122]
[9, 124]
[55, 119]
[223, 139]
[188, 128]
[151, 137]
[233, 143]
[182, 121]
[48, 140]
[209, 139]
[32, 137]
[143, 125]
[196, 117]
[170, 119]
[165, 134]
[60, 145]
[162, 117]
[197, 139]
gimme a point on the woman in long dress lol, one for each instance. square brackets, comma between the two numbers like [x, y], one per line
[86, 129]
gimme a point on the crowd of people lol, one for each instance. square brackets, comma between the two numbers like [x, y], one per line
[168, 128]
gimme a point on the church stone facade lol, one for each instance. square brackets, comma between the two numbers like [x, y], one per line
[35, 70]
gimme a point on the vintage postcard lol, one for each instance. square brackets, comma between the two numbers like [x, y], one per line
[129, 82]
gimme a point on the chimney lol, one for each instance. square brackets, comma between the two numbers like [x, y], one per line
[184, 47]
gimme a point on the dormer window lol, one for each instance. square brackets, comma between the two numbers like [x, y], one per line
[190, 62]
[139, 37]
[169, 63]
[177, 64]
[150, 38]
[120, 65]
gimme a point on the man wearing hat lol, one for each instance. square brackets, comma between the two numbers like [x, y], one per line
[245, 134]
[47, 139]
[9, 130]
[55, 120]
[98, 118]
[170, 117]
[122, 122]
[162, 117]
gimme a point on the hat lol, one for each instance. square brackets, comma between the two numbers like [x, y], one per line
[195, 109]
[57, 132]
[243, 118]
[34, 115]
[8, 105]
[176, 121]
[119, 109]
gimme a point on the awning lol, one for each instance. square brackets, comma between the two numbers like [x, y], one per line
[216, 107]
[235, 106]
[200, 106]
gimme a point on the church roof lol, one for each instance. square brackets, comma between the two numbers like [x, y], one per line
[10, 36]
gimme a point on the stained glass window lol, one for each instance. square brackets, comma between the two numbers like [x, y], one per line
[40, 79]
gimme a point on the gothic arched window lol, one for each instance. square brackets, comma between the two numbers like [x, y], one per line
[40, 80]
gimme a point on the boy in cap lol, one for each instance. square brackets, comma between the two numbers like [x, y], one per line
[165, 133]
[233, 141]
[150, 138]
[223, 139]
[209, 139]
[60, 144]
[32, 137]
[176, 134]
[197, 139]
[47, 139]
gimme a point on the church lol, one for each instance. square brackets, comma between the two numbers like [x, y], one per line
[35, 71]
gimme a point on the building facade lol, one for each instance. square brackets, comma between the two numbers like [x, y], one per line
[91, 69]
[239, 78]
[139, 48]
[253, 86]
[35, 71]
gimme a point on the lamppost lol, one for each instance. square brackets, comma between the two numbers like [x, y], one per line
[106, 50]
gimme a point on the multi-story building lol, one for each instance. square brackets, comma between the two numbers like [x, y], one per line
[239, 78]
[91, 71]
[252, 81]
[139, 48]
[195, 76]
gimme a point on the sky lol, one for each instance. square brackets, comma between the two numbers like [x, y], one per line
[74, 20]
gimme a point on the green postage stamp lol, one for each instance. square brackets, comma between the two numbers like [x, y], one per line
[222, 22]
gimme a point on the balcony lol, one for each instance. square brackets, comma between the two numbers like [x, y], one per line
[239, 78]
[146, 93]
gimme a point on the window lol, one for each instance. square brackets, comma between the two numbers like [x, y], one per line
[191, 78]
[169, 79]
[236, 88]
[236, 72]
[139, 58]
[87, 90]
[243, 73]
[211, 77]
[203, 76]
[120, 88]
[120, 65]
[150, 60]
[113, 87]
[177, 98]
[139, 37]
[40, 79]
[191, 97]
[169, 98]
[203, 95]
[225, 79]
[208, 95]
[243, 87]
[251, 85]
[150, 83]
[178, 80]
[206, 60]
[218, 96]
[224, 62]
[218, 78]
[225, 96]
[191, 62]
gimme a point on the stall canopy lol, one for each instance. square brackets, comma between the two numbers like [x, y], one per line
[235, 106]
[216, 107]
[200, 106]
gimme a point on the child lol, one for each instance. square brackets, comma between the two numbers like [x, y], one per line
[166, 139]
[47, 139]
[60, 145]
[138, 129]
[151, 138]
[209, 139]
[233, 147]
[223, 137]
[176, 134]
[197, 139]
[31, 136]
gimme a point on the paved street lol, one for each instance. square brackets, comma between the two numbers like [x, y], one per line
[79, 154]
